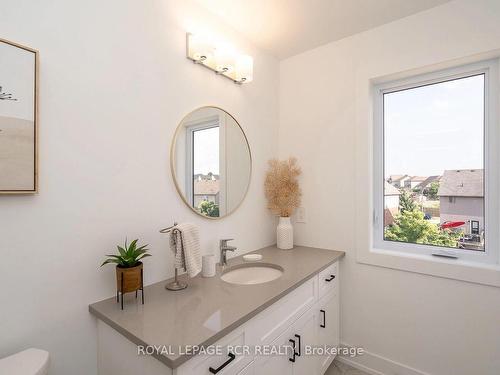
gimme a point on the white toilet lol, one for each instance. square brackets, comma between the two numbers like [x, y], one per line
[28, 362]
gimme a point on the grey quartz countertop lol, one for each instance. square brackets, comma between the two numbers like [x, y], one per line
[209, 308]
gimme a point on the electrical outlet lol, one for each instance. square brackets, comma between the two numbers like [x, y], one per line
[301, 215]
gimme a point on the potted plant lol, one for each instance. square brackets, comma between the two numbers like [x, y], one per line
[129, 271]
[283, 197]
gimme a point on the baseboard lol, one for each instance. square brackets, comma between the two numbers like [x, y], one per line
[374, 364]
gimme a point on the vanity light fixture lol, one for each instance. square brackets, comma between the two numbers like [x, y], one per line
[220, 58]
[5, 96]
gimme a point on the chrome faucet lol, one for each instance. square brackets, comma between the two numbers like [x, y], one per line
[224, 248]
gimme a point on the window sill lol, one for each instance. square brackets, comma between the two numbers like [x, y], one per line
[479, 273]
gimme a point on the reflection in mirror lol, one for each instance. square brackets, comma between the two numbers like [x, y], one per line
[211, 162]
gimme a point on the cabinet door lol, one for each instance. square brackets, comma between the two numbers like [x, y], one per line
[305, 333]
[249, 370]
[225, 363]
[273, 321]
[276, 364]
[328, 328]
[328, 280]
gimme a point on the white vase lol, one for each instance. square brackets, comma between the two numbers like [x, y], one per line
[284, 234]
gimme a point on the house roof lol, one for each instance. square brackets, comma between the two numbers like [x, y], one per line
[418, 178]
[462, 183]
[206, 187]
[209, 176]
[397, 177]
[390, 189]
[429, 180]
[388, 217]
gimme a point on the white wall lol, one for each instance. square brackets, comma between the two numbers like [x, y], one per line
[237, 164]
[435, 325]
[114, 83]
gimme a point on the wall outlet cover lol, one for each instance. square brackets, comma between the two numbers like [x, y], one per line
[301, 215]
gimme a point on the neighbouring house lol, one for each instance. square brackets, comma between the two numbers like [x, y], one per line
[208, 176]
[461, 198]
[397, 180]
[410, 182]
[425, 184]
[413, 181]
[391, 203]
[206, 188]
[405, 181]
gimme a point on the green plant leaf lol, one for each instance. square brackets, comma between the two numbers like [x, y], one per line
[107, 261]
[129, 255]
[132, 246]
[121, 250]
[138, 252]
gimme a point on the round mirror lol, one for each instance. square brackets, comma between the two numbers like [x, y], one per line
[211, 162]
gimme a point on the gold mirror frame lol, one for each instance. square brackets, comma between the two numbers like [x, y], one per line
[173, 162]
[35, 120]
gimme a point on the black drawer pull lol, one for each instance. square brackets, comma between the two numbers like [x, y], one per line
[331, 278]
[294, 353]
[300, 350]
[231, 359]
[323, 325]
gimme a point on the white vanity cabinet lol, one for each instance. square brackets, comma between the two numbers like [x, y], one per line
[248, 370]
[227, 363]
[305, 334]
[316, 326]
[296, 337]
[328, 327]
[328, 280]
[307, 316]
[276, 364]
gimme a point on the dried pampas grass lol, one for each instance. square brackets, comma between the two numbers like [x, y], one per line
[281, 186]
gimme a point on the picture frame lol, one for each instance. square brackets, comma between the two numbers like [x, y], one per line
[18, 118]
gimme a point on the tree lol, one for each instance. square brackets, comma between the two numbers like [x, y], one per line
[209, 209]
[410, 226]
[406, 202]
[432, 191]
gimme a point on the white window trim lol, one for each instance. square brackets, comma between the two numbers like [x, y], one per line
[462, 269]
[191, 127]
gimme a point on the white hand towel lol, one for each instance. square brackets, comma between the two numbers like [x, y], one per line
[185, 243]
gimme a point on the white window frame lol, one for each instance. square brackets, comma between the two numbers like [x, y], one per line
[191, 127]
[491, 183]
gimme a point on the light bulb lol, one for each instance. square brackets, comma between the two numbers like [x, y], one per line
[200, 49]
[244, 69]
[224, 59]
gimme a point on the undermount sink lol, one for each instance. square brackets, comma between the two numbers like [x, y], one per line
[252, 273]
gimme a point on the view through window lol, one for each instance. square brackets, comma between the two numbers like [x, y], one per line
[206, 179]
[434, 164]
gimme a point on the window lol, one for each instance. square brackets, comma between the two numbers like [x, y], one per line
[474, 227]
[205, 177]
[203, 166]
[434, 142]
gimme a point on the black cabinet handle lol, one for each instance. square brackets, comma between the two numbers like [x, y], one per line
[231, 359]
[330, 278]
[294, 352]
[300, 350]
[323, 325]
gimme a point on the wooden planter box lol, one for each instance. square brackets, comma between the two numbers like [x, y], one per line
[129, 280]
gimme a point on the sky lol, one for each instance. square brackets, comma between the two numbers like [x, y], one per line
[17, 77]
[206, 151]
[433, 128]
